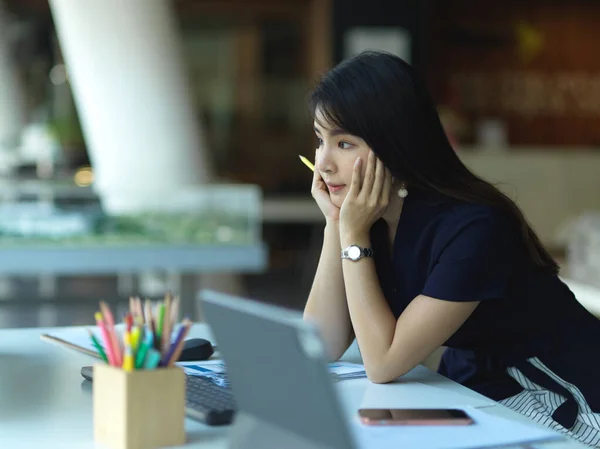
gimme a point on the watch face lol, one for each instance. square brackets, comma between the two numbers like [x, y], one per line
[354, 252]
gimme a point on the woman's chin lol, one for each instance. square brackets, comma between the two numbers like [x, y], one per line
[336, 201]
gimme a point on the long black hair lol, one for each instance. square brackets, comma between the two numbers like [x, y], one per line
[379, 97]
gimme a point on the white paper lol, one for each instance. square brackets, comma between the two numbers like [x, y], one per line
[346, 368]
[416, 395]
[487, 431]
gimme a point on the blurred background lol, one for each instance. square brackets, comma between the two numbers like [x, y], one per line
[151, 145]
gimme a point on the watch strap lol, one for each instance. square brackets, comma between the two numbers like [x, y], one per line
[364, 252]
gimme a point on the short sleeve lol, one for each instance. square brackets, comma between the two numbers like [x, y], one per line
[473, 257]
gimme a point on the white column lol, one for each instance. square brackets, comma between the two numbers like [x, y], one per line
[12, 120]
[125, 67]
[12, 110]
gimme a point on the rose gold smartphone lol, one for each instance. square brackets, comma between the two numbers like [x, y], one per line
[414, 417]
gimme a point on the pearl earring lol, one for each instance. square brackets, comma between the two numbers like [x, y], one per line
[402, 192]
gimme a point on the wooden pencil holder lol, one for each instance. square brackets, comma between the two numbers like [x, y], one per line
[142, 409]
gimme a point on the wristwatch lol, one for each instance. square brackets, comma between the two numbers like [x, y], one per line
[355, 252]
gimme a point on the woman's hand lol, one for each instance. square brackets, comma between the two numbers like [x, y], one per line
[367, 199]
[320, 193]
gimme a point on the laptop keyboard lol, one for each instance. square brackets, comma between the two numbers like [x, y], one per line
[208, 402]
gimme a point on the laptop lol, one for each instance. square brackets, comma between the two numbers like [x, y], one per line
[277, 367]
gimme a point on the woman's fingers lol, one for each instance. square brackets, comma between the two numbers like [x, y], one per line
[369, 175]
[379, 181]
[355, 185]
[317, 180]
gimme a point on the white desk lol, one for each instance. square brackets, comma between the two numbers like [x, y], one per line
[44, 401]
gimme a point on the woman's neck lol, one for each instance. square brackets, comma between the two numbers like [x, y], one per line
[392, 215]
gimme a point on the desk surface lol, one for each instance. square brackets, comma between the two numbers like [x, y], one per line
[44, 401]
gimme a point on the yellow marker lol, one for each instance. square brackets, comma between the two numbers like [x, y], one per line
[135, 338]
[307, 162]
[128, 364]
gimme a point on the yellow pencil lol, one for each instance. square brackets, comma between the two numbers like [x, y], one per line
[307, 162]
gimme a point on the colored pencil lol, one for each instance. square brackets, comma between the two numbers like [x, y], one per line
[175, 311]
[160, 322]
[178, 345]
[306, 162]
[167, 327]
[107, 339]
[152, 359]
[98, 346]
[141, 354]
[110, 326]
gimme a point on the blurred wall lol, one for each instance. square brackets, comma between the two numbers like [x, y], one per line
[411, 15]
[534, 65]
[12, 111]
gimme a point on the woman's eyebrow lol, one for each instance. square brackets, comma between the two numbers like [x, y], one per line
[332, 132]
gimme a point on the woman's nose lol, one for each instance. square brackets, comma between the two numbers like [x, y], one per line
[324, 160]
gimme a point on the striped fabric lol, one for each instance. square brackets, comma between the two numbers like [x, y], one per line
[539, 404]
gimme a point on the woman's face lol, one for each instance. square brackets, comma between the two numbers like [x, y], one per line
[336, 154]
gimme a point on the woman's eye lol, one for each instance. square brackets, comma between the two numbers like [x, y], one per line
[345, 145]
[320, 141]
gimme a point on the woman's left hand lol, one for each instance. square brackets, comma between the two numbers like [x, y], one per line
[367, 198]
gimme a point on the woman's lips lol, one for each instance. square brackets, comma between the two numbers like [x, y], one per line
[333, 188]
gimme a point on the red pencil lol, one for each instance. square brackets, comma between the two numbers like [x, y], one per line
[129, 322]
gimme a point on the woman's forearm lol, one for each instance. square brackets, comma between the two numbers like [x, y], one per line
[373, 322]
[326, 305]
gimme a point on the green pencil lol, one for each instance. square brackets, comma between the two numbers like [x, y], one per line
[98, 346]
[160, 323]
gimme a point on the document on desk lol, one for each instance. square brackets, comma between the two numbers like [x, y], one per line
[215, 370]
[488, 431]
[212, 369]
[346, 370]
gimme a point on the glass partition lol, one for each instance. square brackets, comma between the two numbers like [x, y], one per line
[208, 215]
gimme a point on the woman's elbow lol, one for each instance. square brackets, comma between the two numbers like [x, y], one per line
[379, 380]
[384, 375]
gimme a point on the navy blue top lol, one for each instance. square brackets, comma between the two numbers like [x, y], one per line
[456, 251]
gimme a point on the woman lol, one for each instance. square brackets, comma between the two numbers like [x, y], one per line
[432, 255]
